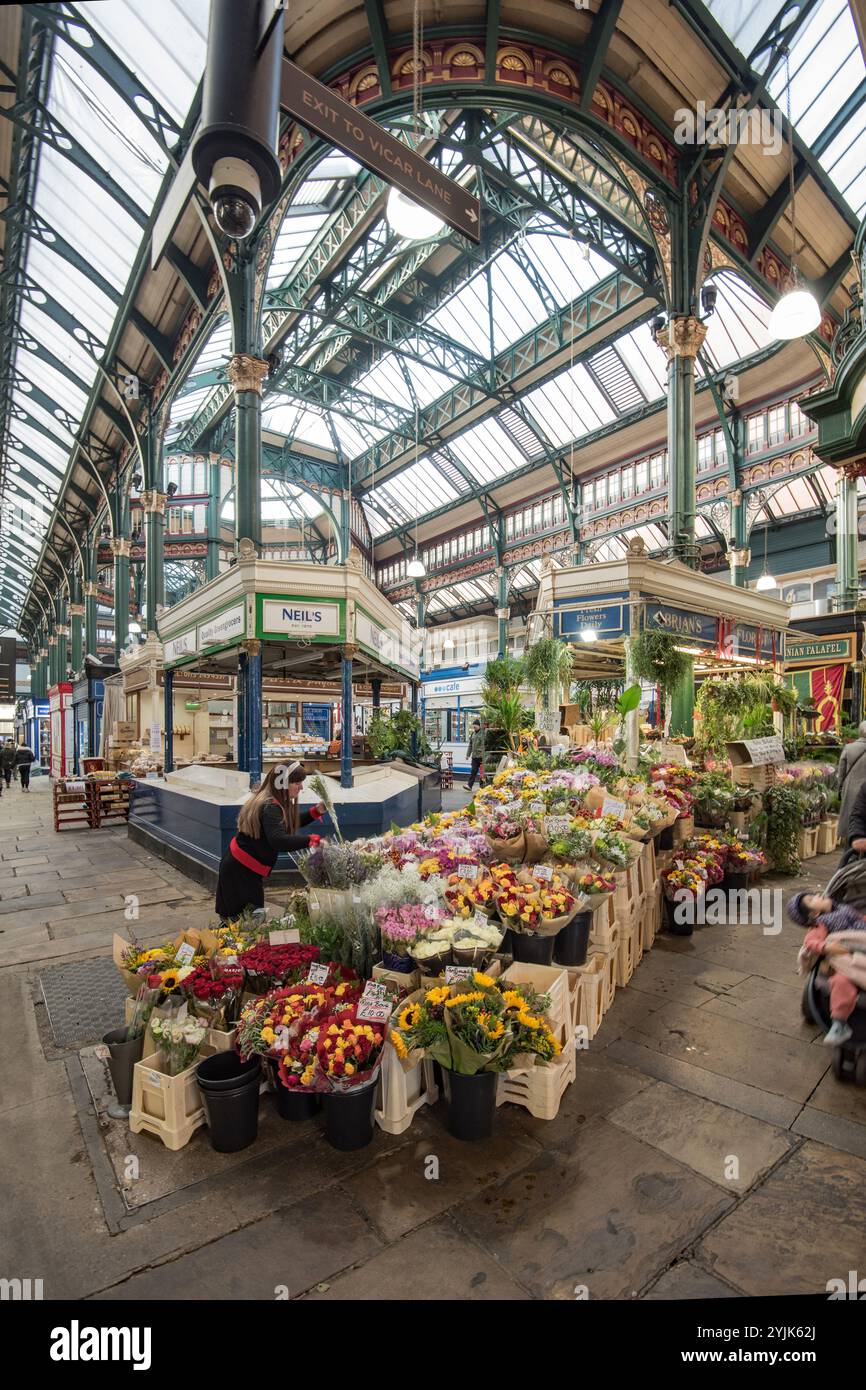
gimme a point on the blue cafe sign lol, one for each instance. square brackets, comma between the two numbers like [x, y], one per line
[697, 629]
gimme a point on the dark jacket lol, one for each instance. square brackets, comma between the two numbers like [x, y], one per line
[274, 839]
[7, 755]
[24, 756]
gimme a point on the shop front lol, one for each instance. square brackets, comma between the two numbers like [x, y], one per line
[62, 732]
[33, 727]
[449, 702]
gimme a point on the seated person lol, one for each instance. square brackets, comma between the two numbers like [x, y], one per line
[838, 934]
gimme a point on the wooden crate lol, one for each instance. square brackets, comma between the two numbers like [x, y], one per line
[628, 892]
[589, 984]
[610, 955]
[629, 950]
[169, 1107]
[539, 1089]
[401, 1094]
[651, 918]
[828, 835]
[71, 808]
[807, 846]
[603, 923]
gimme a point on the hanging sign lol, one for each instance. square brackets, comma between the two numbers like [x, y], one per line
[301, 617]
[608, 615]
[697, 629]
[155, 738]
[820, 649]
[391, 644]
[329, 115]
[224, 628]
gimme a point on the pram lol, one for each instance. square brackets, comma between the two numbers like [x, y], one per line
[848, 885]
[849, 1060]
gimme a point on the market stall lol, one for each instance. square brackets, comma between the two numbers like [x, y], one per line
[61, 745]
[263, 622]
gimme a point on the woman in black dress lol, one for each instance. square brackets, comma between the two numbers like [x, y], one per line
[268, 824]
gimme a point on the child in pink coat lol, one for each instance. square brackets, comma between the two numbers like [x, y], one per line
[838, 934]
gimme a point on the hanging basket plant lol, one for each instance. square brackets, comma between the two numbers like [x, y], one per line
[547, 665]
[654, 658]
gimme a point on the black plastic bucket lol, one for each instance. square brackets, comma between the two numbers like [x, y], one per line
[533, 950]
[471, 1104]
[230, 1094]
[123, 1053]
[570, 945]
[735, 881]
[665, 838]
[299, 1104]
[671, 924]
[349, 1117]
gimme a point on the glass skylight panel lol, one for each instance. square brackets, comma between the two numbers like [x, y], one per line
[487, 451]
[296, 422]
[568, 406]
[295, 235]
[138, 31]
[97, 220]
[419, 488]
[354, 438]
[79, 295]
[60, 388]
[102, 122]
[739, 325]
[217, 349]
[564, 265]
[645, 360]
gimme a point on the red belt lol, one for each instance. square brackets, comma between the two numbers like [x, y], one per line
[247, 860]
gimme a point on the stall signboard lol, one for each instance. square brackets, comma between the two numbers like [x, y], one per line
[765, 750]
[296, 616]
[751, 640]
[393, 645]
[813, 651]
[468, 685]
[176, 648]
[697, 629]
[225, 628]
[606, 614]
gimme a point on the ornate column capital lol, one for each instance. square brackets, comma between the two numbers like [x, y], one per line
[52, 641]
[247, 373]
[152, 500]
[681, 337]
[76, 610]
[252, 646]
[853, 468]
[350, 651]
[90, 588]
[740, 558]
[120, 545]
[61, 630]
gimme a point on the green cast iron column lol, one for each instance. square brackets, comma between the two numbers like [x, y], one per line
[90, 639]
[246, 371]
[847, 570]
[76, 624]
[502, 610]
[120, 551]
[212, 560]
[153, 503]
[62, 631]
[681, 340]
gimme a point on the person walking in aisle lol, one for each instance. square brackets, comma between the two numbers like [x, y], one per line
[475, 754]
[7, 761]
[24, 756]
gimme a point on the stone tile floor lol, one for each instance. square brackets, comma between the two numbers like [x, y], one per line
[705, 1150]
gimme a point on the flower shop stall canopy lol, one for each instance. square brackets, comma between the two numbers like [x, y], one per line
[600, 607]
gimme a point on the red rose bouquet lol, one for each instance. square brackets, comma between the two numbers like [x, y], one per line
[266, 966]
[213, 992]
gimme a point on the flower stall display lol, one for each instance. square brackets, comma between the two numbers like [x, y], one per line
[213, 992]
[400, 928]
[475, 1030]
[266, 966]
[179, 1041]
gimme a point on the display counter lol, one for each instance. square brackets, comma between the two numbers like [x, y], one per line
[189, 816]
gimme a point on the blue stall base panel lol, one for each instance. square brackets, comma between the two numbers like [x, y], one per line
[201, 830]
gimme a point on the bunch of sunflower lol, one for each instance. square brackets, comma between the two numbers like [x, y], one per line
[481, 1025]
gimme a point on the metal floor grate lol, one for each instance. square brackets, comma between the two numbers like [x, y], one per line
[84, 1000]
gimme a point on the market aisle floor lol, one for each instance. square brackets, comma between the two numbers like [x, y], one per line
[704, 1150]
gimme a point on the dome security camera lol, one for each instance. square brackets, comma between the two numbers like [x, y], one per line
[235, 195]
